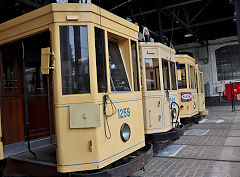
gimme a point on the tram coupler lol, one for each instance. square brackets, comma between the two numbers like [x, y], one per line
[194, 119]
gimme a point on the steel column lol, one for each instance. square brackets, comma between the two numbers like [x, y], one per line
[237, 8]
[160, 25]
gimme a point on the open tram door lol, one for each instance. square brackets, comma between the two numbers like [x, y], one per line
[26, 97]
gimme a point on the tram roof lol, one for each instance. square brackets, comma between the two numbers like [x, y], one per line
[183, 58]
[157, 44]
[39, 20]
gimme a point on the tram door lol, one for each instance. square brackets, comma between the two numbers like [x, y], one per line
[11, 94]
[13, 100]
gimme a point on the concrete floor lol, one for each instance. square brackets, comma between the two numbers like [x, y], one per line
[214, 153]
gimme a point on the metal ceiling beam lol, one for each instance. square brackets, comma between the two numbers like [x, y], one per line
[165, 8]
[180, 4]
[237, 8]
[30, 3]
[184, 25]
[119, 5]
[201, 24]
[200, 11]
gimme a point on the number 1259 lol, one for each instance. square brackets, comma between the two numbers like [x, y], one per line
[123, 113]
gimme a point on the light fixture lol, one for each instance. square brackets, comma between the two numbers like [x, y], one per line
[62, 1]
[188, 35]
[125, 132]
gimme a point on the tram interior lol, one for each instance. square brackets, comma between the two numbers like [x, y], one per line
[26, 98]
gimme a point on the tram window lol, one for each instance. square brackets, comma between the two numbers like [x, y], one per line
[100, 60]
[35, 81]
[152, 74]
[201, 85]
[192, 77]
[197, 81]
[182, 80]
[9, 68]
[135, 66]
[118, 75]
[173, 76]
[74, 59]
[166, 79]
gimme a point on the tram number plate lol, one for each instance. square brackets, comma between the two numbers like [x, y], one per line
[123, 113]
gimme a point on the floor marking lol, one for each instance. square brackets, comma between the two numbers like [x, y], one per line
[202, 121]
[211, 121]
[170, 150]
[196, 132]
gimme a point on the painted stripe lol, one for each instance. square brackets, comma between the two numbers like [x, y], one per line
[113, 102]
[104, 159]
[177, 151]
[62, 107]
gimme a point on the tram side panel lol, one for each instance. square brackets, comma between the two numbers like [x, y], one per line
[188, 103]
[94, 148]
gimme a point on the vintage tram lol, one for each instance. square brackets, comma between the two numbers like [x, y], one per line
[160, 95]
[71, 94]
[187, 88]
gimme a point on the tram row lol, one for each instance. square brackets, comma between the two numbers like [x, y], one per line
[81, 95]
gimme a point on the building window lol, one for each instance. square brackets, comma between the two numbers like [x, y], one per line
[228, 63]
[74, 59]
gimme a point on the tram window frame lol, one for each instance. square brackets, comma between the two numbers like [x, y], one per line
[201, 82]
[156, 85]
[189, 81]
[166, 85]
[173, 73]
[123, 69]
[181, 84]
[75, 84]
[9, 68]
[197, 81]
[100, 51]
[192, 76]
[135, 65]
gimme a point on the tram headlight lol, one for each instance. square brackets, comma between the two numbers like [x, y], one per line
[194, 105]
[125, 132]
[174, 113]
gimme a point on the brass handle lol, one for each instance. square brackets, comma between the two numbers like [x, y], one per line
[90, 146]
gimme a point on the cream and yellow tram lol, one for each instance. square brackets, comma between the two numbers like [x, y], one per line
[160, 95]
[200, 90]
[187, 90]
[70, 73]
